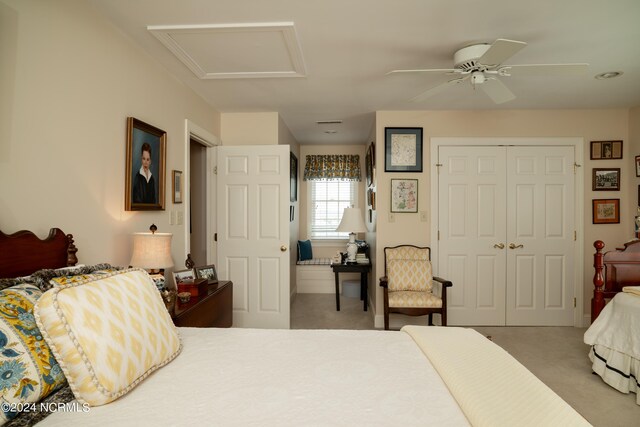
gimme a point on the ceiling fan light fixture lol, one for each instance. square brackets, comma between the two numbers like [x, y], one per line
[608, 75]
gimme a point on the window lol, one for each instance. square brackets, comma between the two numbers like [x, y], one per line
[327, 203]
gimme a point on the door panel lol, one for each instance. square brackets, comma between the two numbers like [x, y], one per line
[472, 218]
[253, 184]
[541, 181]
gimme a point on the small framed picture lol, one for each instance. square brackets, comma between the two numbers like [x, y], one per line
[207, 272]
[637, 165]
[606, 150]
[182, 275]
[177, 186]
[606, 179]
[293, 177]
[606, 211]
[404, 195]
[403, 149]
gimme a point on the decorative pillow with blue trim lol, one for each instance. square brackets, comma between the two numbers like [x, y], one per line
[28, 369]
[305, 251]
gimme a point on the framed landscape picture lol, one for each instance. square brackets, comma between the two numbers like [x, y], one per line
[606, 211]
[606, 179]
[207, 272]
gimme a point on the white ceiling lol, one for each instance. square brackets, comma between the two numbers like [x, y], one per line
[349, 45]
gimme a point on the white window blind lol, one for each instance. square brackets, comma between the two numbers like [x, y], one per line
[329, 198]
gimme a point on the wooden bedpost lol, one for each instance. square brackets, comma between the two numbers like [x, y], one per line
[72, 259]
[597, 302]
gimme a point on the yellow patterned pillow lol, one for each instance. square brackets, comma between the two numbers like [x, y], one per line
[108, 334]
[28, 370]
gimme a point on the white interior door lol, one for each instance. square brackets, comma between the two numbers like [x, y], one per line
[472, 215]
[506, 234]
[253, 232]
[540, 224]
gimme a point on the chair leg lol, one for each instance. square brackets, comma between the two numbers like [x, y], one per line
[386, 320]
[443, 317]
[430, 319]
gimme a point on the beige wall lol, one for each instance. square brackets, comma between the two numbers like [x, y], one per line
[250, 128]
[588, 124]
[68, 82]
[634, 150]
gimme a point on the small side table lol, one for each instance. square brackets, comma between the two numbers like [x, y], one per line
[363, 269]
[215, 309]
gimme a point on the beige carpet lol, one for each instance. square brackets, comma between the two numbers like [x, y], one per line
[556, 355]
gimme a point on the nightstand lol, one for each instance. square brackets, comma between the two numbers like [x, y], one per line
[215, 309]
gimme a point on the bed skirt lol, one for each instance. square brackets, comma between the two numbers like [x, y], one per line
[617, 369]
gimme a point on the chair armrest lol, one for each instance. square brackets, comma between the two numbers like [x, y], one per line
[445, 283]
[384, 281]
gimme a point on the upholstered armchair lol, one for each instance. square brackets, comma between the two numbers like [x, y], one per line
[409, 284]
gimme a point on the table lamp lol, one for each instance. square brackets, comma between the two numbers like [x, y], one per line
[352, 223]
[152, 251]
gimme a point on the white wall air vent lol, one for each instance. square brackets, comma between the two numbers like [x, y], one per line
[235, 51]
[329, 122]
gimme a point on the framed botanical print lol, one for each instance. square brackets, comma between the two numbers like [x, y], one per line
[606, 211]
[145, 167]
[403, 149]
[404, 195]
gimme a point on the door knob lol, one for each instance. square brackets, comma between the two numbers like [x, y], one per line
[499, 245]
[283, 248]
[513, 246]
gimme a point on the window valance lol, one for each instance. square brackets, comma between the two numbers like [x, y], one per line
[344, 167]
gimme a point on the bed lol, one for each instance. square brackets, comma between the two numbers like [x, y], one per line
[614, 335]
[419, 376]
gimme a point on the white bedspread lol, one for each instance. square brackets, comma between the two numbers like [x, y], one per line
[248, 377]
[615, 343]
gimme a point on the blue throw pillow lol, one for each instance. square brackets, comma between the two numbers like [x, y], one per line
[304, 250]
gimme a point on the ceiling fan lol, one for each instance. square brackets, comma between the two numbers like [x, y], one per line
[481, 64]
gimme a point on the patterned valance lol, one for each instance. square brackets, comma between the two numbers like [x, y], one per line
[344, 167]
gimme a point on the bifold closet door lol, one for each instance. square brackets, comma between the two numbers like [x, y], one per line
[472, 229]
[506, 234]
[540, 234]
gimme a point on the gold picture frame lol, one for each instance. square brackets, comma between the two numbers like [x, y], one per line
[145, 167]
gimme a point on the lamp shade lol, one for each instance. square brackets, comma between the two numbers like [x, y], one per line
[151, 251]
[352, 221]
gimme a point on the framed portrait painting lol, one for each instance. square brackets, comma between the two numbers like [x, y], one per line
[606, 211]
[403, 149]
[145, 167]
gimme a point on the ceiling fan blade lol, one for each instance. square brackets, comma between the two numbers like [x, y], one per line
[497, 91]
[500, 51]
[434, 70]
[543, 69]
[436, 89]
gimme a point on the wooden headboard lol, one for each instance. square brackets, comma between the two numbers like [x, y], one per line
[613, 270]
[23, 252]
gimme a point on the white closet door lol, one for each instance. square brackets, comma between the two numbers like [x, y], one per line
[472, 214]
[540, 218]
